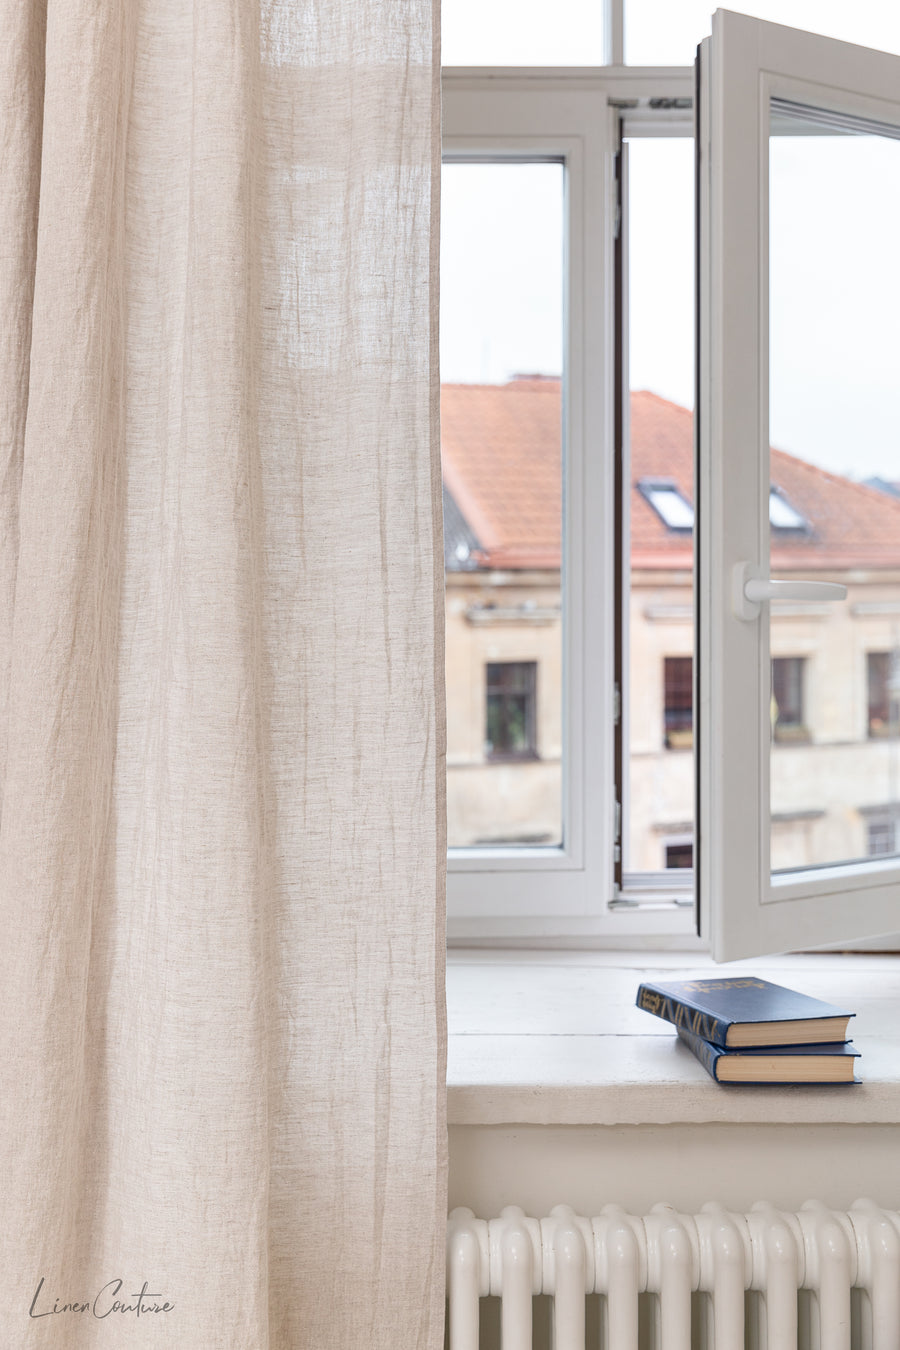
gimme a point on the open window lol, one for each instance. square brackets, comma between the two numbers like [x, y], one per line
[798, 540]
[581, 693]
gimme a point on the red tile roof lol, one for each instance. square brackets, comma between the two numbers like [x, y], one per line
[500, 450]
[501, 463]
[662, 446]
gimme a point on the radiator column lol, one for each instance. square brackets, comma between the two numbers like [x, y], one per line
[715, 1253]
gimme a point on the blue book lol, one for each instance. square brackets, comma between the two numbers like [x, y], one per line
[827, 1063]
[742, 1010]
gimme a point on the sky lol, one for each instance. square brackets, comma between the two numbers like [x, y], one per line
[657, 32]
[834, 220]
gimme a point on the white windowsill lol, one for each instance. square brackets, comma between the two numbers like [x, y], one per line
[554, 1038]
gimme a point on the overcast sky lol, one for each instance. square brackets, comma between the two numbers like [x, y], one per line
[657, 32]
[835, 220]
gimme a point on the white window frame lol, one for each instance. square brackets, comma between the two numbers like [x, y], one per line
[550, 895]
[747, 911]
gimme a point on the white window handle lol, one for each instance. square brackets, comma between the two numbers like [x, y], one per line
[750, 591]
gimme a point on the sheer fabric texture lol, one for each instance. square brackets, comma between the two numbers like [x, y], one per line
[221, 725]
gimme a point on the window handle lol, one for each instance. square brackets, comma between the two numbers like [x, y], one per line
[750, 590]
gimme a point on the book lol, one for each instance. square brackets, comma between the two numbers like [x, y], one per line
[832, 1062]
[741, 1010]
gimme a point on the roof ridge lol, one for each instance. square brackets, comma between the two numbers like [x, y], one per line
[841, 481]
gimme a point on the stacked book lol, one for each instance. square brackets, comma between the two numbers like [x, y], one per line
[746, 1030]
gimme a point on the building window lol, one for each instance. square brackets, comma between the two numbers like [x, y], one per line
[881, 827]
[669, 503]
[787, 698]
[783, 517]
[883, 689]
[680, 854]
[678, 702]
[677, 513]
[788, 678]
[511, 711]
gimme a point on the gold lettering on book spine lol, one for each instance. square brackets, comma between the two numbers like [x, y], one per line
[700, 1023]
[651, 1001]
[711, 986]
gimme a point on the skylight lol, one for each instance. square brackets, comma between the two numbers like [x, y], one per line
[677, 513]
[782, 515]
[673, 509]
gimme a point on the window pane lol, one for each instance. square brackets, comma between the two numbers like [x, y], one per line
[659, 801]
[517, 33]
[834, 354]
[501, 414]
[666, 32]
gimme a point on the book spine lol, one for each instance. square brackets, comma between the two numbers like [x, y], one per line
[681, 1014]
[708, 1055]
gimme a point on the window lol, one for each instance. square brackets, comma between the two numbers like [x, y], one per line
[882, 831]
[788, 673]
[538, 381]
[788, 722]
[883, 671]
[517, 33]
[679, 704]
[657, 558]
[677, 513]
[782, 515]
[511, 712]
[786, 851]
[673, 509]
[680, 853]
[793, 506]
[502, 414]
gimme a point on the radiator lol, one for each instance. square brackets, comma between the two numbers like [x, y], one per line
[764, 1280]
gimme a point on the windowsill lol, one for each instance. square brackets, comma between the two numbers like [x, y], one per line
[512, 757]
[554, 1038]
[785, 737]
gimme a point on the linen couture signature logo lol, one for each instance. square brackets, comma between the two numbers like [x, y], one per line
[107, 1301]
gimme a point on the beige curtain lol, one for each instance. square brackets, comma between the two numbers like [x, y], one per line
[221, 736]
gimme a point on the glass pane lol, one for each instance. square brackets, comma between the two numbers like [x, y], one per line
[659, 766]
[501, 414]
[834, 292]
[517, 33]
[666, 32]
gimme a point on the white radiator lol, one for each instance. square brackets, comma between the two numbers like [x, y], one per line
[675, 1257]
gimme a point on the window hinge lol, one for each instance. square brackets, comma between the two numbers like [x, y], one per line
[617, 705]
[617, 832]
[616, 194]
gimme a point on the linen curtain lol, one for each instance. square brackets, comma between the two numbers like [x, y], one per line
[221, 725]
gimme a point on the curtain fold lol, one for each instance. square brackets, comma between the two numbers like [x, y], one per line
[221, 678]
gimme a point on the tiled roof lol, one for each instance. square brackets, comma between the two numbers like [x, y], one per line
[662, 446]
[461, 548]
[501, 458]
[500, 448]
